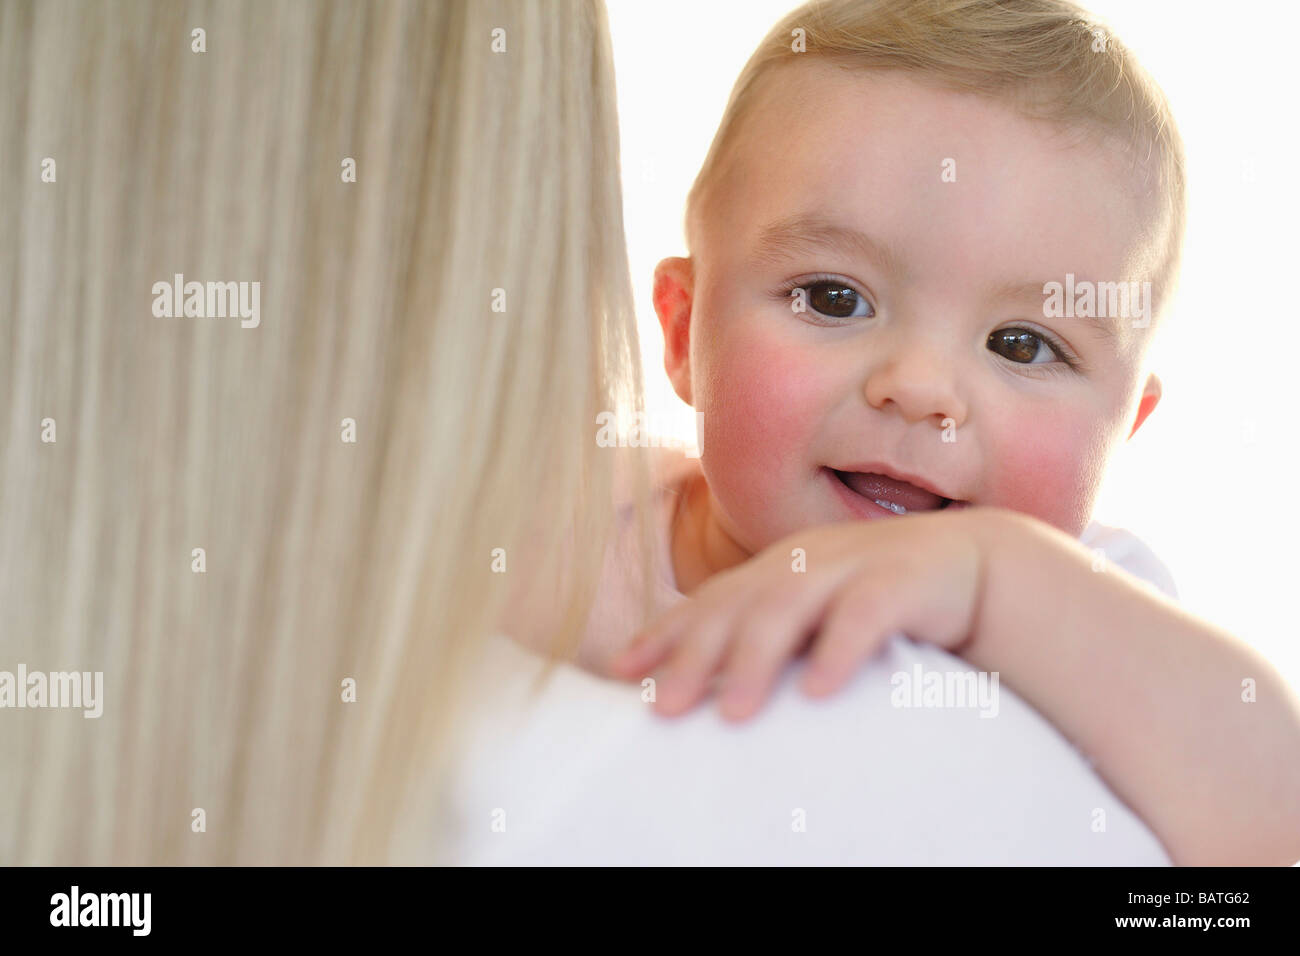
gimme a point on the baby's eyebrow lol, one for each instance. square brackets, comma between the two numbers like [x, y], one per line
[807, 233]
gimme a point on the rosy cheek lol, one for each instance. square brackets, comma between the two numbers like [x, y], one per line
[760, 399]
[1048, 465]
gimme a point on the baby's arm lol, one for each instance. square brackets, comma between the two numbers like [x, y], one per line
[1152, 694]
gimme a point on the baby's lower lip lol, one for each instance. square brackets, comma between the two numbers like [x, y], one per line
[865, 506]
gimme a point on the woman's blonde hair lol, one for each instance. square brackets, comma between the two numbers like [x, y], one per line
[462, 309]
[1049, 59]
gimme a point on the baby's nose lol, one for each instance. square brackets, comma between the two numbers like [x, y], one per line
[920, 383]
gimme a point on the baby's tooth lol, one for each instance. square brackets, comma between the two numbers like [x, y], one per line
[895, 508]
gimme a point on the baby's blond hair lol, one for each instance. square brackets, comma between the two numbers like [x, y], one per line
[1049, 59]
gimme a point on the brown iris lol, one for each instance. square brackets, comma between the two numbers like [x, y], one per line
[1018, 345]
[832, 299]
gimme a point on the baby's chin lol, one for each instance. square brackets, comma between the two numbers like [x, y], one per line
[1068, 517]
[753, 527]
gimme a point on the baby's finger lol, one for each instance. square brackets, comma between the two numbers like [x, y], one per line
[640, 657]
[686, 676]
[657, 640]
[766, 638]
[854, 629]
[662, 635]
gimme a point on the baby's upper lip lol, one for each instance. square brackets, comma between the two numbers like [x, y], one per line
[898, 474]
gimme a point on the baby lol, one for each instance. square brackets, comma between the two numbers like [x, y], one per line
[903, 429]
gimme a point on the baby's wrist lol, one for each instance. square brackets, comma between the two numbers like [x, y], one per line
[1001, 539]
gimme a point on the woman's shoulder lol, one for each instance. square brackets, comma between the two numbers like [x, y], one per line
[895, 769]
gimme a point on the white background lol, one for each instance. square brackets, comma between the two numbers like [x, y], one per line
[1208, 481]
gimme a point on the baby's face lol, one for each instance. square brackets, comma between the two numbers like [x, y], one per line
[839, 189]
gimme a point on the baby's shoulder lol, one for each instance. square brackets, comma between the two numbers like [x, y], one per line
[650, 474]
[1123, 548]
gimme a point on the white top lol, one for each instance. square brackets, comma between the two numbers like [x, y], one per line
[584, 771]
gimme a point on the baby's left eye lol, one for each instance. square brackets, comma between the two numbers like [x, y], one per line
[1023, 346]
[835, 299]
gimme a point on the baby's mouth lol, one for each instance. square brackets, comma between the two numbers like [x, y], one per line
[894, 494]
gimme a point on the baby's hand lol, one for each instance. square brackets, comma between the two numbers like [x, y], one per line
[864, 581]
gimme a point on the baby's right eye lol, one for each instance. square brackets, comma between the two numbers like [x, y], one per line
[835, 300]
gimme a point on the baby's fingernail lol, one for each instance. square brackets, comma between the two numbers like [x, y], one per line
[673, 698]
[816, 681]
[735, 707]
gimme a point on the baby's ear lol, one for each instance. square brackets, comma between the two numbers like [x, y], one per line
[673, 296]
[1150, 398]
